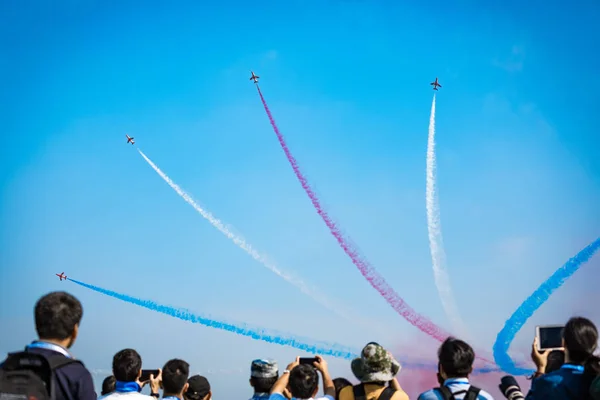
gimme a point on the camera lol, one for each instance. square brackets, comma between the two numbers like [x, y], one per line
[510, 388]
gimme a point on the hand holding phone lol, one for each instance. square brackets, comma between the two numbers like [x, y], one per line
[146, 374]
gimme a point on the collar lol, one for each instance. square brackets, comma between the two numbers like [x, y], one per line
[575, 367]
[40, 344]
[451, 381]
[124, 387]
[171, 397]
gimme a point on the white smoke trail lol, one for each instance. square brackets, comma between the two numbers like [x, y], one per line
[436, 244]
[240, 242]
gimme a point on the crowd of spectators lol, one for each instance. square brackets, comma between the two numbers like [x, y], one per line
[47, 370]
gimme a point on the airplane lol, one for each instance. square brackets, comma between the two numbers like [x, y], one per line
[130, 139]
[254, 77]
[435, 84]
[62, 276]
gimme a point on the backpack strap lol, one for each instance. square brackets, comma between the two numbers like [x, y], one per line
[359, 392]
[445, 392]
[387, 394]
[472, 393]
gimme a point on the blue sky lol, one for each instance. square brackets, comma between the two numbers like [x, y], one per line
[348, 84]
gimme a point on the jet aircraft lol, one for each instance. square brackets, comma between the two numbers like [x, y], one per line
[130, 139]
[61, 276]
[254, 77]
[435, 84]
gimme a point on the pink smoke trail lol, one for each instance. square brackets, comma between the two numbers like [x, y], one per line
[374, 278]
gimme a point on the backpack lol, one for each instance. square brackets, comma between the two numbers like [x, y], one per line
[471, 394]
[30, 376]
[359, 393]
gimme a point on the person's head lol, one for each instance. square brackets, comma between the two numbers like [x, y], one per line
[339, 384]
[57, 318]
[108, 385]
[455, 359]
[580, 340]
[556, 358]
[127, 366]
[174, 377]
[375, 365]
[198, 389]
[304, 381]
[263, 375]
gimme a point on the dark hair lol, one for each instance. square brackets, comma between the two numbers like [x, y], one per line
[456, 358]
[127, 364]
[108, 385]
[303, 381]
[339, 384]
[56, 315]
[581, 339]
[263, 385]
[556, 358]
[175, 375]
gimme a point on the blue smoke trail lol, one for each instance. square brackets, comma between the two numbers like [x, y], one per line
[531, 304]
[333, 350]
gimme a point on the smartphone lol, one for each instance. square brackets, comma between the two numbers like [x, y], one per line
[549, 337]
[308, 360]
[146, 374]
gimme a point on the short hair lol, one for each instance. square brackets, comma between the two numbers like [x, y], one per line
[127, 365]
[56, 315]
[339, 384]
[108, 385]
[456, 358]
[175, 375]
[303, 381]
[263, 385]
[556, 358]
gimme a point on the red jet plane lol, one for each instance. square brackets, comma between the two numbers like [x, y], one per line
[435, 84]
[61, 276]
[254, 77]
[130, 139]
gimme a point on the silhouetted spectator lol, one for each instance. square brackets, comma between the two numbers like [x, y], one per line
[581, 366]
[556, 359]
[127, 370]
[374, 369]
[455, 363]
[303, 381]
[175, 379]
[198, 389]
[263, 375]
[339, 384]
[57, 319]
[108, 385]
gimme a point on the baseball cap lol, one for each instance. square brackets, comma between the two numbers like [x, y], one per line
[198, 387]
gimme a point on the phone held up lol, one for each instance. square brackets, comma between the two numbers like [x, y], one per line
[549, 337]
[146, 374]
[308, 360]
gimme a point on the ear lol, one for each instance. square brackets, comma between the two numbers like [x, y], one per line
[75, 332]
[250, 381]
[139, 375]
[209, 395]
[185, 387]
[442, 373]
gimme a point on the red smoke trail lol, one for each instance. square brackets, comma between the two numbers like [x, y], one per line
[376, 280]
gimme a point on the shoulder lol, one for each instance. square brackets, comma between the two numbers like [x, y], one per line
[483, 395]
[277, 396]
[400, 395]
[430, 395]
[346, 393]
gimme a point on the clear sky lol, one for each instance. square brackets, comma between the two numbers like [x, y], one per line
[348, 84]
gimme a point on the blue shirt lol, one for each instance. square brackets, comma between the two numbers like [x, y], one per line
[279, 396]
[568, 382]
[455, 385]
[260, 396]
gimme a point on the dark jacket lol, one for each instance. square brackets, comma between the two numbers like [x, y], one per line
[74, 381]
[567, 383]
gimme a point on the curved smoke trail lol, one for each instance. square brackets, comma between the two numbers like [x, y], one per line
[257, 333]
[323, 348]
[241, 243]
[532, 303]
[374, 278]
[436, 243]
